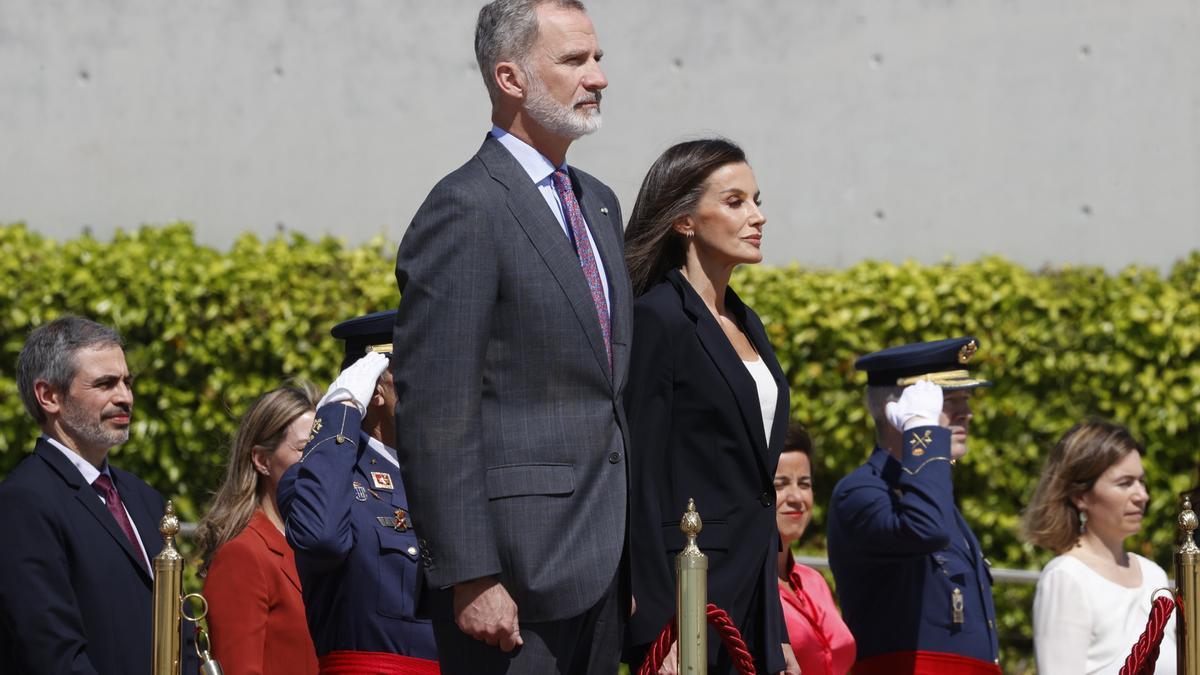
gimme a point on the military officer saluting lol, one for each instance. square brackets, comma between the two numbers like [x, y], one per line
[914, 585]
[346, 516]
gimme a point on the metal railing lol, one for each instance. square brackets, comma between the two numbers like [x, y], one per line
[999, 574]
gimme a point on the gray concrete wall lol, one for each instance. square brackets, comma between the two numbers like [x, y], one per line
[1049, 131]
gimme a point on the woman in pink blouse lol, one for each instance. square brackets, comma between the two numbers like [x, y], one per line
[821, 641]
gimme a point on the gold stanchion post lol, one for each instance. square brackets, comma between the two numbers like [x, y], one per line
[168, 597]
[691, 597]
[1187, 581]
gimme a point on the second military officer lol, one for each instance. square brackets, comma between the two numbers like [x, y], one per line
[914, 585]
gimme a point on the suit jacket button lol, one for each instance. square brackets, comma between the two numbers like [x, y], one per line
[614, 457]
[765, 499]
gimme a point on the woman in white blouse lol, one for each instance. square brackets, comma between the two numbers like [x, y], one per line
[1092, 600]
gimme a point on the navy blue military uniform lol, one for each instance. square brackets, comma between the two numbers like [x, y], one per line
[346, 516]
[912, 579]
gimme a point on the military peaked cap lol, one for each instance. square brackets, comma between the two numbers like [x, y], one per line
[942, 362]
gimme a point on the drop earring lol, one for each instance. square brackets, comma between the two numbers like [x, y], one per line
[1082, 522]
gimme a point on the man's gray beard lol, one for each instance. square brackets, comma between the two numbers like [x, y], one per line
[562, 120]
[92, 432]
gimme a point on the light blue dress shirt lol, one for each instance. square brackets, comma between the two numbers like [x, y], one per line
[541, 172]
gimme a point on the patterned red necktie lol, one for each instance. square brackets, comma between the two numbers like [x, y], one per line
[587, 259]
[104, 486]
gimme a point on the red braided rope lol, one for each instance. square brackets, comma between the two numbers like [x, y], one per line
[658, 651]
[720, 621]
[732, 638]
[1144, 654]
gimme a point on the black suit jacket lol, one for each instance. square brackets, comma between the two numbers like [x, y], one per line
[697, 431]
[74, 594]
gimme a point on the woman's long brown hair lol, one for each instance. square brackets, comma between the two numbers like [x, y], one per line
[672, 188]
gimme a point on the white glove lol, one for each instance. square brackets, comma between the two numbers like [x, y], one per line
[920, 405]
[357, 383]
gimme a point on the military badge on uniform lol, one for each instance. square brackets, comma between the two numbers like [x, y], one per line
[967, 351]
[920, 443]
[398, 522]
[360, 492]
[381, 480]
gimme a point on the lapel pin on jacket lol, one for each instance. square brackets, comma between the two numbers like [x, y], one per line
[381, 480]
[604, 210]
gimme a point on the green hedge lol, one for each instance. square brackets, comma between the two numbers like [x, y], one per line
[208, 330]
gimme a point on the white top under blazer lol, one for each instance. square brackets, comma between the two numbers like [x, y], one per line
[768, 392]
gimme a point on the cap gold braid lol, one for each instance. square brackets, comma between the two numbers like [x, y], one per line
[947, 378]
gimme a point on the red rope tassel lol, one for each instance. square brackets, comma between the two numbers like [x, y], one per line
[1144, 654]
[719, 619]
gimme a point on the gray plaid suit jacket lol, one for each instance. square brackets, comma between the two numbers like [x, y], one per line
[510, 427]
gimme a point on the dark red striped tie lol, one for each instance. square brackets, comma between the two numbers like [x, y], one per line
[104, 486]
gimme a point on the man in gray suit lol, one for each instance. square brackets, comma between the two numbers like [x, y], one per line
[511, 351]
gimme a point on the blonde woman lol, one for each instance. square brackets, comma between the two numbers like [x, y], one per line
[256, 613]
[1093, 599]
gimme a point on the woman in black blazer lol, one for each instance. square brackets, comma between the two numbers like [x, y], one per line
[707, 402]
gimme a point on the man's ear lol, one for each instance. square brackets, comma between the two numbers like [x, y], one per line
[48, 397]
[377, 397]
[510, 79]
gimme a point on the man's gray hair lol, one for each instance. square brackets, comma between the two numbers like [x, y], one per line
[877, 399]
[49, 354]
[506, 31]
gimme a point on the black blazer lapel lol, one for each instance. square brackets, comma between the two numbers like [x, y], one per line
[758, 337]
[90, 500]
[727, 361]
[530, 210]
